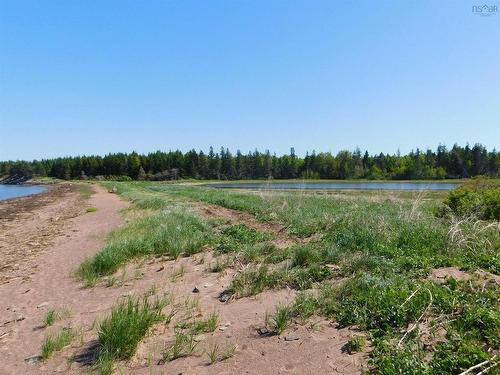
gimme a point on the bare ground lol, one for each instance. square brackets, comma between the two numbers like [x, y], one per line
[316, 347]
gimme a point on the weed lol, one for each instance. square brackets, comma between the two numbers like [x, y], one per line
[55, 343]
[355, 344]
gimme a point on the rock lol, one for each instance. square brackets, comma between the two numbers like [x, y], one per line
[225, 296]
[160, 269]
[222, 328]
[196, 290]
[43, 304]
[292, 337]
[33, 360]
[263, 331]
[207, 285]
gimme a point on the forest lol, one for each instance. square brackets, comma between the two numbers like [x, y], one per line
[457, 162]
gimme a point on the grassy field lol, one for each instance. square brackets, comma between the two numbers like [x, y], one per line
[364, 259]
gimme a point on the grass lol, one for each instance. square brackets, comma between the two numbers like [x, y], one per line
[85, 190]
[368, 261]
[201, 326]
[174, 234]
[57, 342]
[216, 353]
[50, 318]
[183, 346]
[120, 334]
[178, 273]
[91, 209]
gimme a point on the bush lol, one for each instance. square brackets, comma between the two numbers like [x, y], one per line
[479, 197]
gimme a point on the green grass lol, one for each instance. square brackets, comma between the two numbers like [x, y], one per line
[183, 346]
[368, 262]
[200, 326]
[173, 233]
[57, 342]
[91, 209]
[128, 324]
[50, 318]
[85, 190]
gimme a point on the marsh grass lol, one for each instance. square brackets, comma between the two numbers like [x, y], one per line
[55, 343]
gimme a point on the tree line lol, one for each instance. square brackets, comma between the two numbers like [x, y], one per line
[457, 162]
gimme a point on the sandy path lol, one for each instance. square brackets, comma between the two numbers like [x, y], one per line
[51, 285]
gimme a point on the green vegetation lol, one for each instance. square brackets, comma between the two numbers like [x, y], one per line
[129, 322]
[174, 234]
[50, 318]
[91, 209]
[85, 190]
[200, 326]
[355, 344]
[458, 162]
[479, 198]
[359, 260]
[216, 353]
[57, 342]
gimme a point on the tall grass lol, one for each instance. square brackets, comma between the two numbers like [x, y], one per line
[170, 233]
[120, 334]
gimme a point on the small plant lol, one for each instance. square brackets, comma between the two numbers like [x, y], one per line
[281, 318]
[53, 344]
[183, 346]
[178, 273]
[355, 344]
[50, 318]
[129, 322]
[201, 326]
[91, 209]
[215, 353]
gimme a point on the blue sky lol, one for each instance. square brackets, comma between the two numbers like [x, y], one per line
[91, 77]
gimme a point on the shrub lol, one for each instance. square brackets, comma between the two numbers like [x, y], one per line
[479, 197]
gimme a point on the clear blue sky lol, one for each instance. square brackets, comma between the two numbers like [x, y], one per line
[91, 77]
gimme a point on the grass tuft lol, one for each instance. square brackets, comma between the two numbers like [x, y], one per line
[55, 343]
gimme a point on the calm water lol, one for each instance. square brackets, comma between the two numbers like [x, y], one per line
[341, 185]
[14, 191]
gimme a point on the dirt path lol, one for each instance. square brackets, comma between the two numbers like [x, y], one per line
[50, 284]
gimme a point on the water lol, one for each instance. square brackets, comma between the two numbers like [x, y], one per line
[15, 191]
[340, 185]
